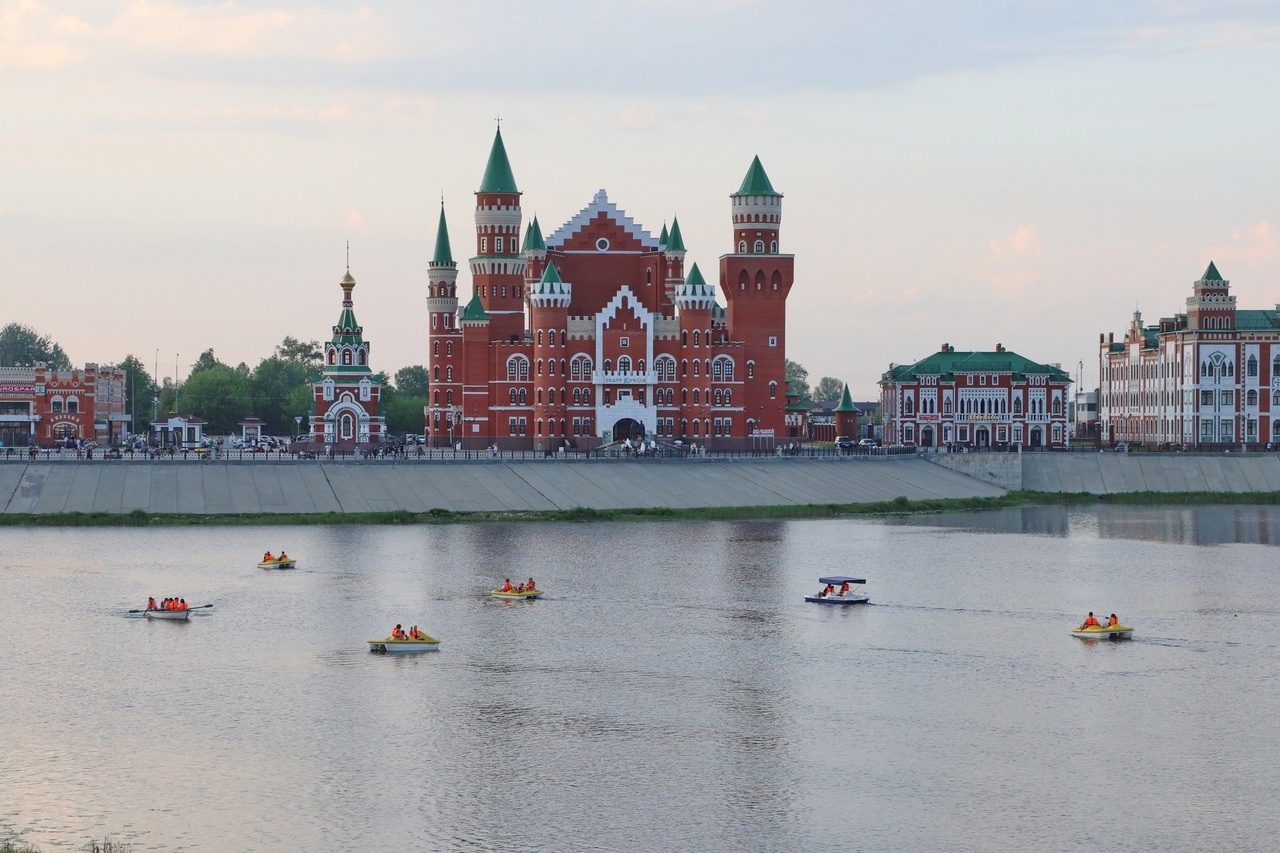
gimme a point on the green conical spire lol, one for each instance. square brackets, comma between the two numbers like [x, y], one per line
[1211, 274]
[695, 277]
[475, 310]
[756, 182]
[533, 241]
[443, 255]
[551, 275]
[675, 243]
[662, 238]
[497, 174]
[846, 401]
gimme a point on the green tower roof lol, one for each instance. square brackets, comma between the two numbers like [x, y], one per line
[497, 174]
[675, 243]
[551, 275]
[474, 310]
[443, 255]
[695, 277]
[846, 401]
[662, 238]
[1211, 274]
[533, 238]
[756, 182]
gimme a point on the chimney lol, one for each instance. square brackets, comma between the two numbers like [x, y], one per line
[999, 347]
[946, 347]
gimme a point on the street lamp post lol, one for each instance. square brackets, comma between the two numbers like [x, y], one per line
[297, 419]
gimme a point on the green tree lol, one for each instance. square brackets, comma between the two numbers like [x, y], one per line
[23, 346]
[205, 361]
[403, 414]
[828, 388]
[413, 380]
[798, 381]
[219, 395]
[139, 394]
[310, 353]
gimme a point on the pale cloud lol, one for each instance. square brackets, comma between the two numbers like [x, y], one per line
[876, 296]
[335, 112]
[355, 222]
[35, 37]
[1010, 262]
[1254, 242]
[639, 118]
[756, 116]
[219, 29]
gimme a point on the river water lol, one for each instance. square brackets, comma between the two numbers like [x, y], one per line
[672, 692]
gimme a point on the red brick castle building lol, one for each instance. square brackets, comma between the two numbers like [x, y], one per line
[598, 333]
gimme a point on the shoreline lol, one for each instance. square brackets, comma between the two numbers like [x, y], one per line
[897, 506]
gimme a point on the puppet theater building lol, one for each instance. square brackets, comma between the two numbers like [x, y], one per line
[597, 333]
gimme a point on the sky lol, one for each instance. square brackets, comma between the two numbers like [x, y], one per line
[184, 176]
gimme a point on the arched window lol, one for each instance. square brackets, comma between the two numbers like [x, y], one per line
[697, 336]
[1253, 366]
[751, 370]
[1017, 405]
[684, 367]
[551, 367]
[435, 349]
[946, 406]
[539, 367]
[773, 390]
[1231, 369]
[448, 374]
[695, 396]
[684, 338]
[524, 398]
[55, 405]
[551, 396]
[539, 396]
[728, 396]
[648, 276]
[906, 406]
[1057, 405]
[513, 396]
[435, 373]
[608, 366]
[684, 396]
[719, 398]
[435, 398]
[512, 368]
[759, 247]
[742, 249]
[348, 426]
[577, 396]
[1204, 367]
[728, 370]
[333, 356]
[759, 280]
[346, 356]
[624, 364]
[696, 365]
[586, 396]
[773, 247]
[448, 348]
[742, 276]
[448, 398]
[576, 367]
[539, 337]
[640, 366]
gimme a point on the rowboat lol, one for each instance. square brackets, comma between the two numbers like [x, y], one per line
[1100, 632]
[393, 646]
[167, 614]
[526, 593]
[853, 596]
[278, 564]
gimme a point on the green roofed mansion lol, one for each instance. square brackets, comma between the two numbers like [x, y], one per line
[1207, 378]
[979, 400]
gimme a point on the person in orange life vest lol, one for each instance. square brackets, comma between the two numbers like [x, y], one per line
[267, 558]
[182, 604]
[398, 633]
[151, 604]
[529, 585]
[283, 557]
[520, 587]
[1090, 620]
[844, 588]
[1113, 621]
[507, 587]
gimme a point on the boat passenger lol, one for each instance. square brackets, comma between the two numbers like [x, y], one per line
[507, 587]
[830, 590]
[283, 557]
[267, 558]
[520, 587]
[1090, 621]
[845, 588]
[1113, 621]
[151, 604]
[182, 604]
[398, 633]
[529, 585]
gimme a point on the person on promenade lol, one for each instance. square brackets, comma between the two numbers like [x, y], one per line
[1090, 621]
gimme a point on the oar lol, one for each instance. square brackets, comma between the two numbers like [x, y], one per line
[200, 607]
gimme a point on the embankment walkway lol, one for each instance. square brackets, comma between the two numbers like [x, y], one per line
[494, 486]
[1114, 473]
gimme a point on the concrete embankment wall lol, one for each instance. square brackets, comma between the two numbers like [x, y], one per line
[1112, 473]
[305, 487]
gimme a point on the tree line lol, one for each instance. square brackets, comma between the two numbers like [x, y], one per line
[277, 391]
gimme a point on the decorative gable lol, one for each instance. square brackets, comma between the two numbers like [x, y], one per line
[601, 220]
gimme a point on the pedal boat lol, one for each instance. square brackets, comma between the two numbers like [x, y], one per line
[278, 564]
[177, 615]
[853, 596]
[1101, 632]
[527, 593]
[392, 646]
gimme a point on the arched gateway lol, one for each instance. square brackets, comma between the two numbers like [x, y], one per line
[628, 428]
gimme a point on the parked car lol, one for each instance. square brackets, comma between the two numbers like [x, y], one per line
[845, 443]
[868, 443]
[1122, 447]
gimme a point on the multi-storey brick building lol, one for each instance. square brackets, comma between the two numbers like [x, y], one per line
[975, 399]
[1208, 377]
[346, 397]
[41, 405]
[597, 333]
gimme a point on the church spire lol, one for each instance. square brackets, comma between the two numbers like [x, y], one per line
[443, 255]
[498, 177]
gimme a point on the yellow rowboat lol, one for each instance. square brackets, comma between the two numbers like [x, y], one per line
[527, 593]
[393, 646]
[278, 564]
[1100, 632]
